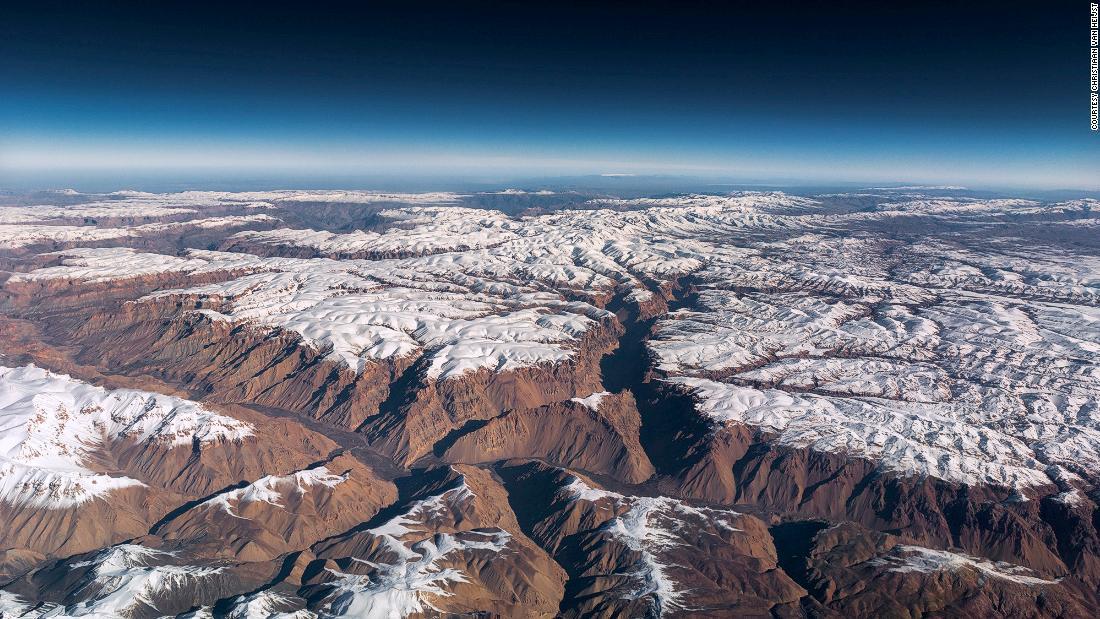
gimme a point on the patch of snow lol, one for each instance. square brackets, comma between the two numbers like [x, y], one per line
[359, 312]
[24, 235]
[649, 526]
[431, 508]
[11, 605]
[424, 231]
[50, 424]
[521, 192]
[126, 577]
[99, 265]
[917, 559]
[409, 587]
[266, 604]
[926, 439]
[592, 401]
[420, 574]
[272, 489]
[361, 197]
[89, 211]
[1072, 498]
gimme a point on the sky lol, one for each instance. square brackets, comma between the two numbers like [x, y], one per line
[985, 94]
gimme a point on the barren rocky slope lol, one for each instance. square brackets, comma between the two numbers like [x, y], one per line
[318, 404]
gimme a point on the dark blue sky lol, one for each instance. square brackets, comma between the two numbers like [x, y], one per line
[979, 93]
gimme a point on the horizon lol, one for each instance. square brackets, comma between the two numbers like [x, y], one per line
[610, 184]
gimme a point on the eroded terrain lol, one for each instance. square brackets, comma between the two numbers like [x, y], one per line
[320, 404]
